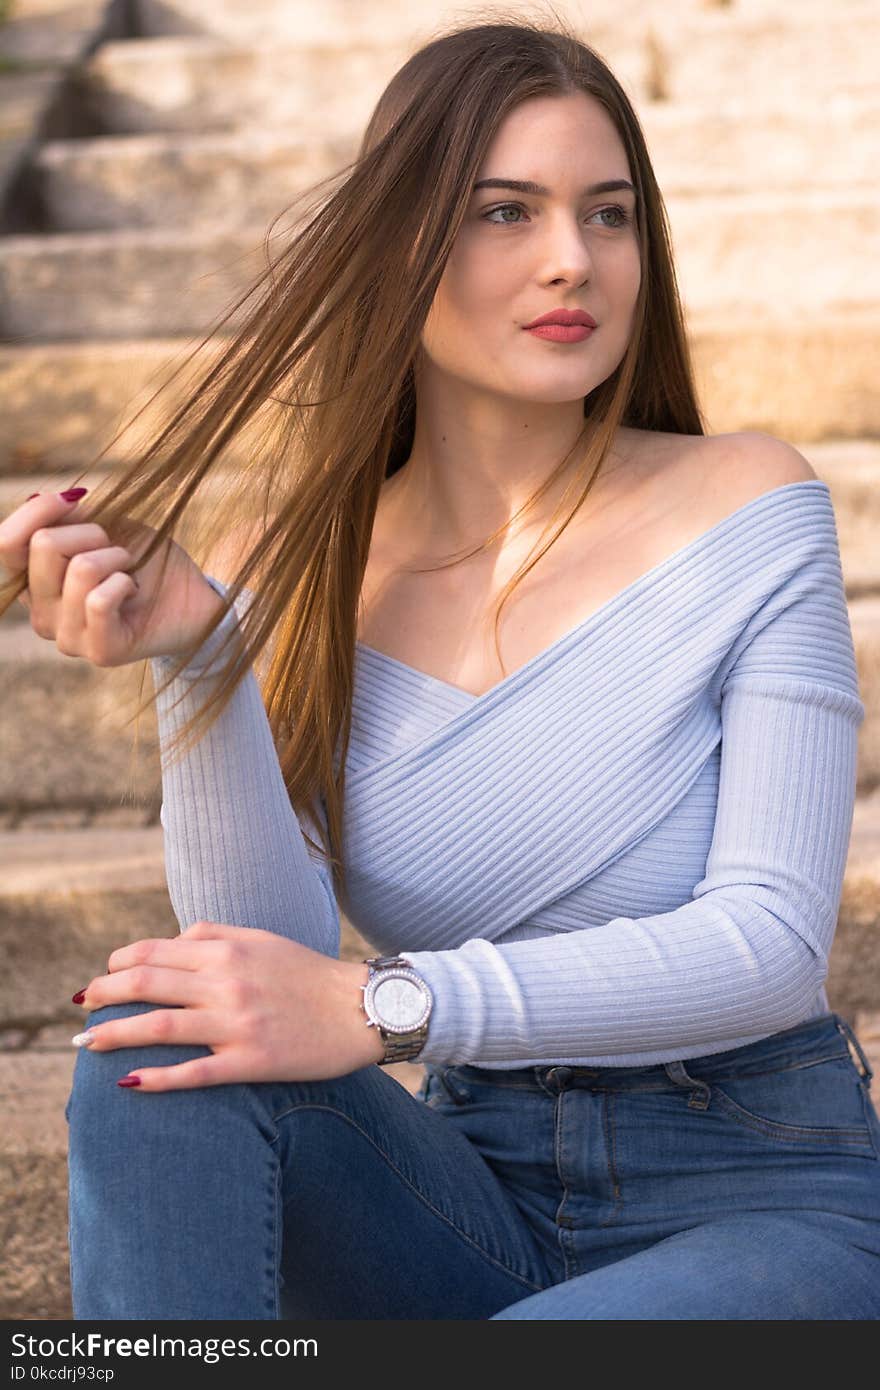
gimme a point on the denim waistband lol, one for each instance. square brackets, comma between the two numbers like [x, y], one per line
[816, 1040]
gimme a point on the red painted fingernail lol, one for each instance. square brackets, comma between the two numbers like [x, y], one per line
[73, 494]
[32, 496]
[129, 1081]
[79, 997]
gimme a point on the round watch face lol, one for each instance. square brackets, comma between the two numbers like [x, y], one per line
[399, 1003]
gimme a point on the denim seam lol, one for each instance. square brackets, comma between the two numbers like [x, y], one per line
[559, 1154]
[565, 1237]
[471, 1240]
[773, 1071]
[278, 1233]
[832, 1134]
[720, 1078]
[608, 1127]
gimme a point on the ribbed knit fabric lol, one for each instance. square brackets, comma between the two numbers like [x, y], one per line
[630, 850]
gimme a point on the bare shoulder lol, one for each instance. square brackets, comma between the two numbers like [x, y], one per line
[733, 469]
[760, 461]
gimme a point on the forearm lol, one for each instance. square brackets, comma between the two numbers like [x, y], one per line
[234, 849]
[720, 967]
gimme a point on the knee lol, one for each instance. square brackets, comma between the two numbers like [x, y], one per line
[95, 1074]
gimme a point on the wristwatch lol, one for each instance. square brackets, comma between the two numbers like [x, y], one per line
[398, 1002]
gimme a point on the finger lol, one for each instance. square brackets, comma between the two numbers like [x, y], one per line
[68, 560]
[46, 509]
[176, 951]
[103, 602]
[187, 1076]
[103, 638]
[147, 984]
[92, 626]
[196, 1027]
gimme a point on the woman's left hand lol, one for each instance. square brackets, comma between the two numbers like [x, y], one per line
[270, 1008]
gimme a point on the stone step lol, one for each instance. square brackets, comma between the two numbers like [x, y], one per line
[152, 282]
[752, 256]
[299, 21]
[306, 22]
[39, 41]
[68, 739]
[329, 83]
[235, 179]
[25, 96]
[208, 84]
[50, 31]
[700, 148]
[63, 731]
[243, 177]
[66, 402]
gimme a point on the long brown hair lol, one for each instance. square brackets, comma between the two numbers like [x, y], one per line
[329, 345]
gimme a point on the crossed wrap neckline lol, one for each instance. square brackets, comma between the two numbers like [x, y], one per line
[561, 645]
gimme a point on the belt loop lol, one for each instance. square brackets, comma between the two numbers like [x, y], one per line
[844, 1028]
[558, 1078]
[701, 1090]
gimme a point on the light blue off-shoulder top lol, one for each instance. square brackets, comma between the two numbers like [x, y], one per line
[630, 850]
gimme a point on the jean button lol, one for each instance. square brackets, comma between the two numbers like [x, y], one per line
[559, 1077]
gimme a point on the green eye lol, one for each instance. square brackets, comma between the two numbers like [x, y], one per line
[620, 212]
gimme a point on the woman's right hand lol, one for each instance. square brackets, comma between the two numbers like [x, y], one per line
[80, 596]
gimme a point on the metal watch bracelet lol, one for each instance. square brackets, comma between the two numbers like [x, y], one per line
[399, 1047]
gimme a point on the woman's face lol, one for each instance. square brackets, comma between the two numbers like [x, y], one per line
[518, 255]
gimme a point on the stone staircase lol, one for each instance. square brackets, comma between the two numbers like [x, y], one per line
[145, 146]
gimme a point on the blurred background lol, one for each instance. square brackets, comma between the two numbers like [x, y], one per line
[145, 145]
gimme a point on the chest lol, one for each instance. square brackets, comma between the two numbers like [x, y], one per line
[441, 623]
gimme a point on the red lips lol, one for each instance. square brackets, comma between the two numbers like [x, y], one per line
[569, 318]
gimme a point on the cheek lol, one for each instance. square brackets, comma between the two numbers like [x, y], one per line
[468, 322]
[468, 290]
[466, 345]
[480, 278]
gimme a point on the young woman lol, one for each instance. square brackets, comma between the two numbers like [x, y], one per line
[601, 876]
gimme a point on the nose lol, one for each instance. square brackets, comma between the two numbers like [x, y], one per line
[568, 255]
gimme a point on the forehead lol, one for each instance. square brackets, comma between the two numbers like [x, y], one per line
[571, 135]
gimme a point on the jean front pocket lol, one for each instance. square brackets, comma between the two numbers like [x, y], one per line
[823, 1105]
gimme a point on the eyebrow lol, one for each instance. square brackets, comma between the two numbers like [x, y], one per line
[539, 191]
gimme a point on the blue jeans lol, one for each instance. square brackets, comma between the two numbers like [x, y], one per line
[744, 1184]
